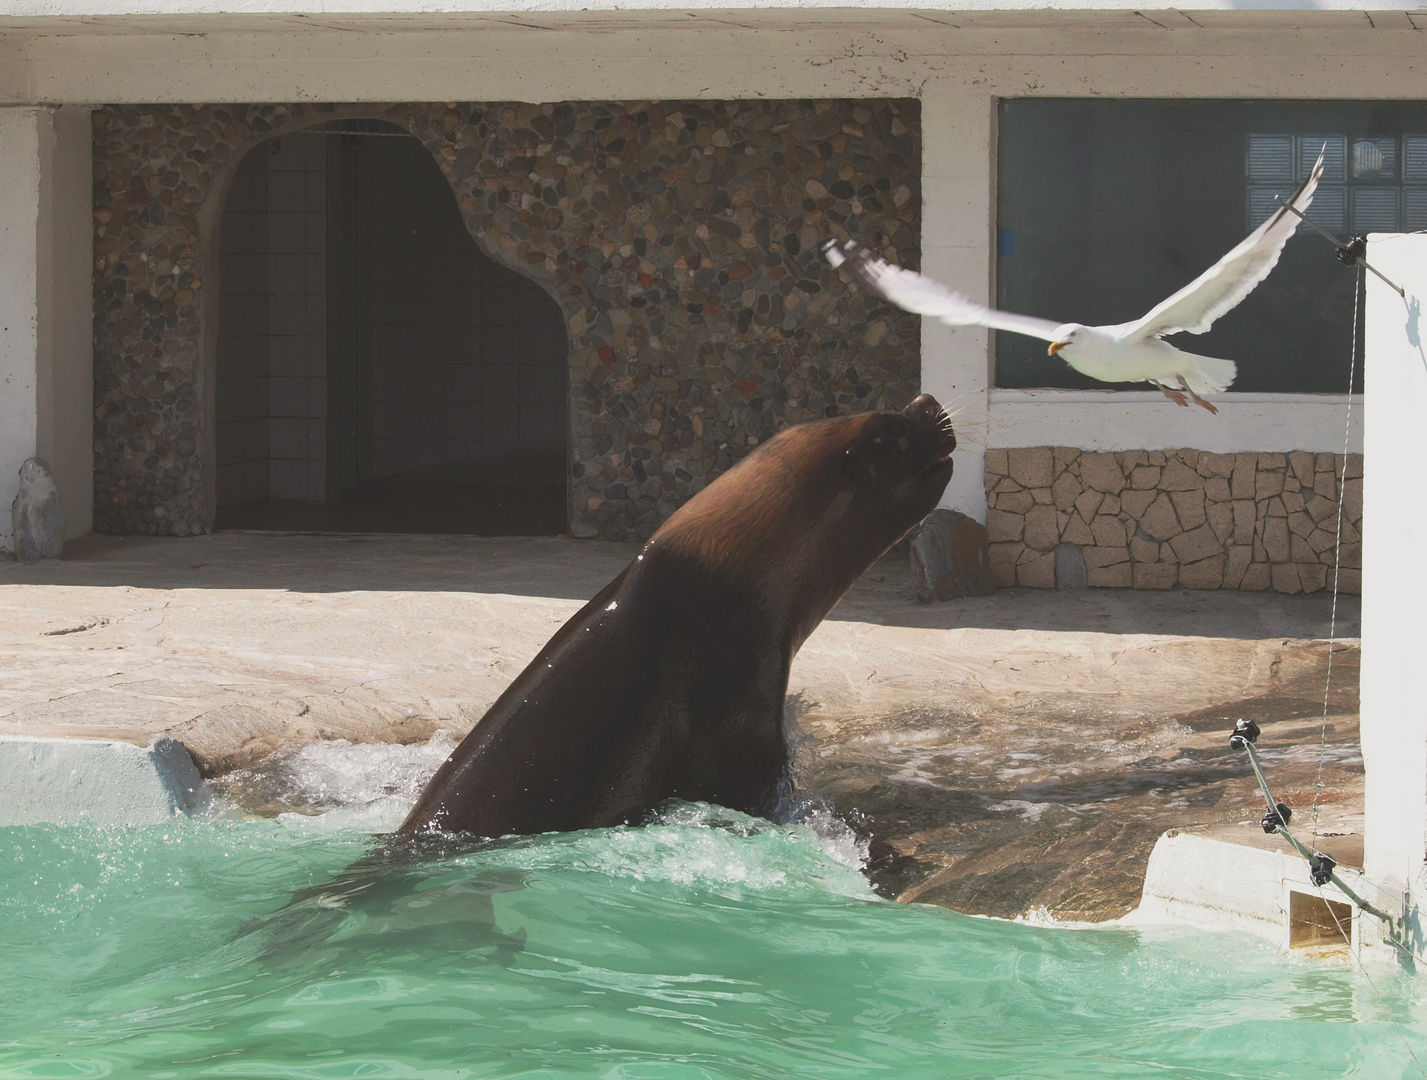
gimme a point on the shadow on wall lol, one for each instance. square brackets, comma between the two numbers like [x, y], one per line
[376, 372]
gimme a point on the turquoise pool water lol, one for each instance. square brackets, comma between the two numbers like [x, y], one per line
[706, 945]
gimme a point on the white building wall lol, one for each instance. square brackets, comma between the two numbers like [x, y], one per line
[65, 410]
[958, 62]
[22, 131]
[46, 356]
[1394, 710]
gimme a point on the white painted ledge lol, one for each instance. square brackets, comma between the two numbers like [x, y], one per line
[1215, 885]
[67, 781]
[1139, 420]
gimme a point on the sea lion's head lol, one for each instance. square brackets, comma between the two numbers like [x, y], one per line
[806, 513]
[901, 461]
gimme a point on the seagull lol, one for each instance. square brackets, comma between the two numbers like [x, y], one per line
[1127, 352]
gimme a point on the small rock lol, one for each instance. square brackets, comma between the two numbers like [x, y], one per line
[1188, 507]
[1077, 532]
[1102, 472]
[1004, 557]
[1042, 529]
[1269, 485]
[1108, 531]
[1155, 575]
[1135, 503]
[1204, 574]
[1098, 558]
[950, 557]
[1038, 573]
[1275, 540]
[1118, 576]
[37, 514]
[1004, 526]
[1285, 578]
[1197, 544]
[1256, 578]
[1159, 521]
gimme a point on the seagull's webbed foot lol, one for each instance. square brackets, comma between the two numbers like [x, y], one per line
[1173, 395]
[1197, 399]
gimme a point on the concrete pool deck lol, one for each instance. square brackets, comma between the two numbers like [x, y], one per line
[1010, 753]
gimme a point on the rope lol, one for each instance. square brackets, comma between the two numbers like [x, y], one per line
[1337, 559]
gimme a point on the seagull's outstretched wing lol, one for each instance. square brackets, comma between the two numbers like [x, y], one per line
[912, 292]
[1221, 288]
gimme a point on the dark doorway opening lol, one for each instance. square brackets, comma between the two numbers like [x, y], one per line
[376, 371]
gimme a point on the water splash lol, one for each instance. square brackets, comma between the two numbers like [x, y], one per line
[380, 780]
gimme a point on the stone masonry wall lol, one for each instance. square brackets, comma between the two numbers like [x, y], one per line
[679, 238]
[1156, 519]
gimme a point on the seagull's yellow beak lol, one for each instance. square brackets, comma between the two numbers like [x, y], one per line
[1055, 347]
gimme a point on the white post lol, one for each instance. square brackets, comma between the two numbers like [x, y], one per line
[956, 238]
[1394, 707]
[22, 131]
[46, 306]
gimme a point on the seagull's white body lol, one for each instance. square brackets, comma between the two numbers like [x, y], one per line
[1126, 352]
[1111, 354]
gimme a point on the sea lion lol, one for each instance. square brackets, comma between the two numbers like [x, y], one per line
[670, 683]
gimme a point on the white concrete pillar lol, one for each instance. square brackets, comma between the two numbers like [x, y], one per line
[958, 209]
[46, 310]
[22, 132]
[1394, 707]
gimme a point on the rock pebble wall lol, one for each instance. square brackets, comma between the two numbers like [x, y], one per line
[1156, 519]
[680, 240]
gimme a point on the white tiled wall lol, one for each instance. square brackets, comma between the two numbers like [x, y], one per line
[297, 317]
[242, 407]
[272, 336]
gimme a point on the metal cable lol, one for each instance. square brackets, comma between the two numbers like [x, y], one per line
[1358, 282]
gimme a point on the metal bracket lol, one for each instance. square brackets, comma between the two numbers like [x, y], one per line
[1349, 254]
[1321, 867]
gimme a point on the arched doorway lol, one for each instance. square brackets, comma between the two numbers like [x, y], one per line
[376, 371]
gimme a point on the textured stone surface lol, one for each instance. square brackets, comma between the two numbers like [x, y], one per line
[973, 736]
[950, 557]
[679, 238]
[1153, 520]
[37, 515]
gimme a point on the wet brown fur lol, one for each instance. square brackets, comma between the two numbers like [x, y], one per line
[670, 683]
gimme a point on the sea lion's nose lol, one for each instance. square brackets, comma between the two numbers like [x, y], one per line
[931, 428]
[923, 407]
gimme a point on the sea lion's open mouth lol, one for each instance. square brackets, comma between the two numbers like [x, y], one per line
[940, 460]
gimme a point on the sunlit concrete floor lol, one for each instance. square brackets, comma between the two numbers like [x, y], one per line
[1008, 753]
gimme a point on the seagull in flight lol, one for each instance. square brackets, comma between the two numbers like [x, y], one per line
[1127, 352]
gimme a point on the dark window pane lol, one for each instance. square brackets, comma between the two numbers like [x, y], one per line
[1107, 207]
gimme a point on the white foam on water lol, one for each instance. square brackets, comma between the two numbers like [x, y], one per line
[337, 773]
[336, 785]
[709, 847]
[350, 785]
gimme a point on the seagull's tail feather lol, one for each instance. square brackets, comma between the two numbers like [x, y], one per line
[1206, 374]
